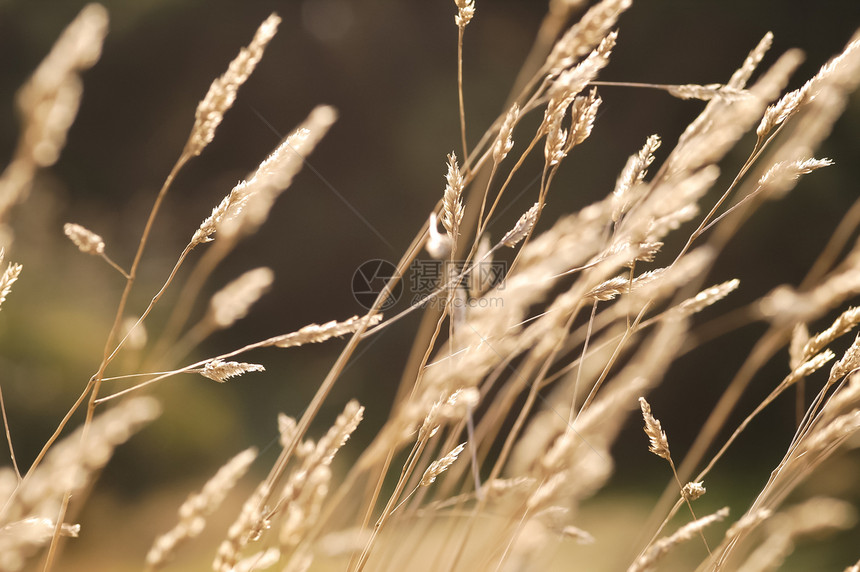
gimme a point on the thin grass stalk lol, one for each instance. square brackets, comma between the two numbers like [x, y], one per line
[94, 383]
[152, 302]
[406, 471]
[190, 292]
[330, 379]
[511, 437]
[761, 353]
[766, 347]
[460, 32]
[9, 437]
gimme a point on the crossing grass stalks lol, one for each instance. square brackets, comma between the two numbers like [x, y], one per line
[505, 421]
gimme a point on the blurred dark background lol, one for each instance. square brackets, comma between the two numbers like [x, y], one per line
[389, 67]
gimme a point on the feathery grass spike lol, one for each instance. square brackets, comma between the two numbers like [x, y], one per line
[583, 36]
[86, 240]
[520, 353]
[439, 466]
[693, 490]
[623, 197]
[10, 275]
[465, 12]
[707, 297]
[522, 228]
[248, 203]
[220, 371]
[193, 512]
[842, 325]
[659, 444]
[452, 203]
[233, 302]
[782, 175]
[504, 142]
[222, 93]
[583, 112]
[707, 92]
[315, 333]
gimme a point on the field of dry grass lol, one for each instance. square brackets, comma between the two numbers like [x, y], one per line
[192, 396]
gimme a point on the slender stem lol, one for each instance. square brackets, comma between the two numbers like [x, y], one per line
[776, 392]
[473, 452]
[404, 501]
[152, 302]
[514, 535]
[374, 496]
[132, 275]
[546, 178]
[840, 237]
[484, 203]
[461, 29]
[95, 381]
[59, 430]
[134, 375]
[627, 334]
[578, 379]
[9, 436]
[519, 423]
[146, 383]
[706, 223]
[190, 292]
[675, 508]
[419, 304]
[687, 500]
[334, 373]
[659, 86]
[764, 349]
[114, 265]
[483, 225]
[58, 527]
[407, 470]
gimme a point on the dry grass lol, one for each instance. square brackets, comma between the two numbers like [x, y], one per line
[504, 425]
